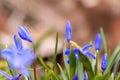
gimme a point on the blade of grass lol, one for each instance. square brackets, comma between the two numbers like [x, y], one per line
[65, 61]
[104, 43]
[112, 60]
[62, 72]
[116, 66]
[42, 62]
[72, 64]
[12, 71]
[55, 53]
[80, 70]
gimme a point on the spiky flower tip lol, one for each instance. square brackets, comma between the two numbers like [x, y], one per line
[24, 33]
[76, 53]
[75, 77]
[68, 31]
[104, 61]
[98, 42]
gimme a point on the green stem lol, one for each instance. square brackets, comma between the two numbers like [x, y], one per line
[96, 66]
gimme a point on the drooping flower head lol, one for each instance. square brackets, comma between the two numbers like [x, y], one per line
[68, 31]
[104, 61]
[19, 57]
[98, 42]
[24, 33]
[9, 77]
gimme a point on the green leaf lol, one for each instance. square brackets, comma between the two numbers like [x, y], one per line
[117, 76]
[55, 53]
[96, 65]
[103, 40]
[102, 77]
[116, 66]
[62, 72]
[80, 70]
[113, 58]
[41, 39]
[72, 64]
[87, 65]
[42, 62]
[104, 43]
[67, 67]
[12, 71]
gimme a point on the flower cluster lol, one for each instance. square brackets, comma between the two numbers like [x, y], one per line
[86, 50]
[19, 57]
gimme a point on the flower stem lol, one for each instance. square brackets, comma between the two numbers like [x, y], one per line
[34, 66]
[34, 69]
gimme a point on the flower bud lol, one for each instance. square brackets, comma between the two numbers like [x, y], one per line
[24, 33]
[68, 31]
[98, 41]
[104, 61]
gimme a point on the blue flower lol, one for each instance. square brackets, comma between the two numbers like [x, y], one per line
[8, 77]
[98, 42]
[76, 52]
[75, 77]
[104, 61]
[87, 47]
[85, 76]
[19, 59]
[18, 43]
[86, 52]
[68, 31]
[24, 33]
[67, 52]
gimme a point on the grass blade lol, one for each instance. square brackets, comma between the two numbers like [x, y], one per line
[55, 53]
[113, 58]
[62, 72]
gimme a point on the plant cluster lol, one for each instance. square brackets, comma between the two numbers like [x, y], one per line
[81, 63]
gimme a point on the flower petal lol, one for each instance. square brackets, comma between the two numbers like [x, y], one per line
[24, 33]
[18, 42]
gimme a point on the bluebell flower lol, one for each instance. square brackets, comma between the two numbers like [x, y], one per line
[19, 59]
[24, 33]
[75, 77]
[87, 47]
[76, 53]
[68, 31]
[18, 43]
[98, 42]
[67, 52]
[85, 76]
[86, 52]
[104, 61]
[9, 77]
